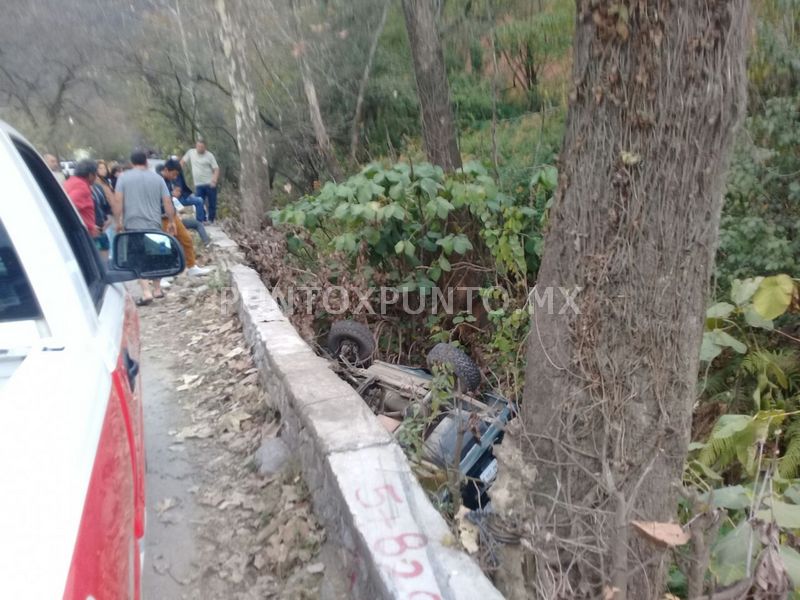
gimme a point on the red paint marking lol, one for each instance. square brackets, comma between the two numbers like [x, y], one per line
[385, 517]
[377, 501]
[381, 493]
[402, 542]
[416, 570]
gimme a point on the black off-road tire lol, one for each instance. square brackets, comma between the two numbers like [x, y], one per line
[464, 368]
[351, 341]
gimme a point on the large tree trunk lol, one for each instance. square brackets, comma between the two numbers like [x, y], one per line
[254, 192]
[660, 90]
[433, 91]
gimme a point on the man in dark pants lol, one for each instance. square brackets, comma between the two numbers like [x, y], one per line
[173, 175]
[205, 172]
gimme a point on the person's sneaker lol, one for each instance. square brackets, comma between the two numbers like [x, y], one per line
[196, 271]
[165, 283]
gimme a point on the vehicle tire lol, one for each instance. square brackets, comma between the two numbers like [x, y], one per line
[351, 342]
[464, 368]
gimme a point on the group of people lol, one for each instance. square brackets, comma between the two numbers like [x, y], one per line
[132, 197]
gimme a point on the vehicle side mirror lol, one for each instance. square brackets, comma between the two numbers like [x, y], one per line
[145, 255]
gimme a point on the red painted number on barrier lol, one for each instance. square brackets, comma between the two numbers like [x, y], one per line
[381, 493]
[397, 545]
[416, 570]
[380, 500]
[386, 516]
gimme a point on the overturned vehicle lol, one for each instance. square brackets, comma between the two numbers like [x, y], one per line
[447, 429]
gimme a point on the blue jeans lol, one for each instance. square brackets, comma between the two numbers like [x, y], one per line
[209, 195]
[198, 206]
[198, 226]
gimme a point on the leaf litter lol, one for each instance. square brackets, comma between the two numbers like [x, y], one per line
[256, 537]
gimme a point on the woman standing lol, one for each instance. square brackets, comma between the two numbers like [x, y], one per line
[103, 192]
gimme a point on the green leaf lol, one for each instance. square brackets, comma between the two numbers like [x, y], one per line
[721, 310]
[754, 319]
[729, 425]
[550, 177]
[706, 471]
[364, 193]
[708, 349]
[447, 244]
[743, 290]
[774, 296]
[791, 562]
[397, 191]
[461, 244]
[345, 242]
[724, 339]
[341, 210]
[444, 264]
[729, 555]
[399, 247]
[784, 514]
[430, 187]
[734, 497]
[443, 208]
[792, 493]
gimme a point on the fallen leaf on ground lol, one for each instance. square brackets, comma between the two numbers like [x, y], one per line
[233, 420]
[467, 531]
[315, 568]
[663, 534]
[195, 431]
[166, 504]
[234, 353]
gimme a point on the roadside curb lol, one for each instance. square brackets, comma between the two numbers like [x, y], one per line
[392, 542]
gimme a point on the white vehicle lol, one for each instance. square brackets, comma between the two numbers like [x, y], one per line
[72, 504]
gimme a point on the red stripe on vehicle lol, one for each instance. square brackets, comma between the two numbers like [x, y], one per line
[105, 556]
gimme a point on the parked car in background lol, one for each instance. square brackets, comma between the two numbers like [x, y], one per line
[72, 505]
[68, 167]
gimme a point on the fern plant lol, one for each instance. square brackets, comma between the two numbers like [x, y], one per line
[738, 438]
[789, 464]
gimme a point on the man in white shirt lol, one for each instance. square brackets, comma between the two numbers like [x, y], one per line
[55, 167]
[205, 172]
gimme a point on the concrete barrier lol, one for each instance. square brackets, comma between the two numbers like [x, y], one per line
[392, 543]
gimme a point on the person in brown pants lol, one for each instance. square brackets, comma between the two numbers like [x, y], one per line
[185, 239]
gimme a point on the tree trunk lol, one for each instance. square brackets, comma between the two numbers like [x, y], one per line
[317, 123]
[254, 192]
[660, 91]
[433, 91]
[187, 61]
[362, 88]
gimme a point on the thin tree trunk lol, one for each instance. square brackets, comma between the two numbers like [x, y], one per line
[362, 88]
[317, 123]
[188, 64]
[433, 90]
[495, 75]
[254, 189]
[659, 94]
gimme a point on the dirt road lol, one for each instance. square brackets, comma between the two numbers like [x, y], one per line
[216, 528]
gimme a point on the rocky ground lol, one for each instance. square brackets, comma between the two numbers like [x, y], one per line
[217, 528]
